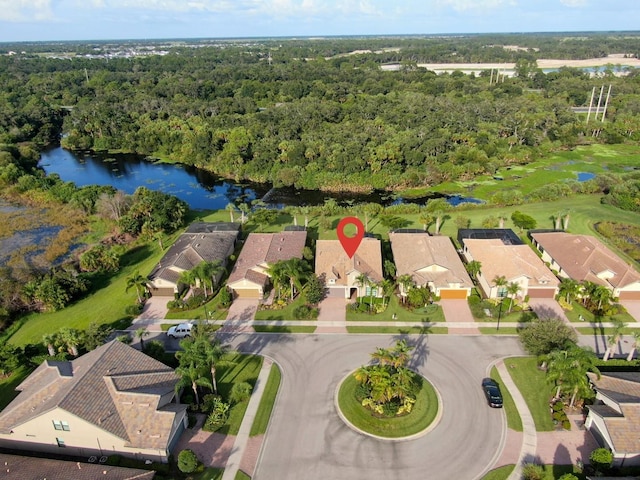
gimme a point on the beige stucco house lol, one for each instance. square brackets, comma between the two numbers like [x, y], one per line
[614, 418]
[113, 400]
[432, 262]
[201, 242]
[340, 273]
[518, 263]
[585, 258]
[249, 277]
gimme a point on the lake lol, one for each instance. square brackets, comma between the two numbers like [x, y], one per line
[202, 190]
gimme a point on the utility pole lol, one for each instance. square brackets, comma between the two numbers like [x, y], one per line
[606, 103]
[593, 92]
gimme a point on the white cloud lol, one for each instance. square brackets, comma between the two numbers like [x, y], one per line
[474, 5]
[574, 3]
[25, 10]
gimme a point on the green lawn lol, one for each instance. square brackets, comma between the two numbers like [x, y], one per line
[211, 310]
[514, 422]
[285, 313]
[501, 473]
[8, 385]
[423, 414]
[579, 311]
[268, 400]
[501, 331]
[245, 368]
[106, 305]
[431, 313]
[240, 475]
[534, 388]
[284, 329]
[400, 330]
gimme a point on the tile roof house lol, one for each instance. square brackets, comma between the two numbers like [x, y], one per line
[432, 262]
[585, 258]
[517, 263]
[340, 272]
[614, 418]
[249, 277]
[17, 467]
[113, 399]
[201, 242]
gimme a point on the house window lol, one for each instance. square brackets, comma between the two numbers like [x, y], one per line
[371, 291]
[61, 425]
[502, 292]
[60, 442]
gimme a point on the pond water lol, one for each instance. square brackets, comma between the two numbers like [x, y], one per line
[202, 190]
[584, 176]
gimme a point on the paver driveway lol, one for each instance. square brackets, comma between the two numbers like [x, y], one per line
[306, 438]
[332, 313]
[457, 311]
[633, 307]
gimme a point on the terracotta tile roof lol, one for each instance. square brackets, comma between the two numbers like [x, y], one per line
[114, 387]
[511, 261]
[261, 249]
[333, 262]
[583, 257]
[414, 253]
[622, 426]
[192, 248]
[18, 467]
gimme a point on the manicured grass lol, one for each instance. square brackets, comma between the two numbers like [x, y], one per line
[245, 368]
[603, 331]
[8, 385]
[431, 313]
[514, 422]
[399, 330]
[268, 400]
[285, 313]
[534, 388]
[240, 475]
[106, 305]
[423, 414]
[578, 311]
[212, 310]
[284, 329]
[209, 474]
[501, 473]
[502, 331]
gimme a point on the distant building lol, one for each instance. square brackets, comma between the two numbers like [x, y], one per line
[112, 400]
[201, 242]
[432, 262]
[340, 273]
[249, 277]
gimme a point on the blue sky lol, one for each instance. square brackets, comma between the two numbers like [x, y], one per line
[32, 20]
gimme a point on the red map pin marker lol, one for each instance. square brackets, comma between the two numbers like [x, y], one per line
[350, 244]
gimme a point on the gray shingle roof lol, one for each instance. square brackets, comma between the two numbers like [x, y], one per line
[114, 387]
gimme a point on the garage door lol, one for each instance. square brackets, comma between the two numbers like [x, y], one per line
[629, 295]
[336, 292]
[162, 292]
[541, 293]
[453, 293]
[246, 292]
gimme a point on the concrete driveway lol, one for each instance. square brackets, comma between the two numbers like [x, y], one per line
[633, 307]
[457, 311]
[332, 314]
[241, 312]
[547, 308]
[306, 438]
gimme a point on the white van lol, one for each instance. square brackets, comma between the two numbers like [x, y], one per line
[180, 331]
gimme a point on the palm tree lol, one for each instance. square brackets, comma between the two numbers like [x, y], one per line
[362, 281]
[569, 288]
[305, 210]
[140, 333]
[230, 208]
[387, 290]
[373, 287]
[406, 282]
[214, 351]
[474, 267]
[295, 270]
[276, 274]
[499, 281]
[614, 339]
[137, 281]
[244, 212]
[565, 220]
[567, 369]
[49, 340]
[192, 376]
[189, 278]
[207, 272]
[634, 345]
[501, 219]
[69, 338]
[426, 219]
[512, 289]
[438, 208]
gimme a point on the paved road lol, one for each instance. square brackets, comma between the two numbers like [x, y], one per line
[307, 440]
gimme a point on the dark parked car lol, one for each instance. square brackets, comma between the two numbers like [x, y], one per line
[492, 392]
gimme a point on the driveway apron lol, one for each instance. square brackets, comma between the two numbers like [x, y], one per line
[457, 311]
[332, 316]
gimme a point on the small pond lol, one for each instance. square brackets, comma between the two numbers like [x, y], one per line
[584, 176]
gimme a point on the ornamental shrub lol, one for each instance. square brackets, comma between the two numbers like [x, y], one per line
[240, 392]
[187, 461]
[531, 471]
[601, 459]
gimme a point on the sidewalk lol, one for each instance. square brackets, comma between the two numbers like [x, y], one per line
[243, 442]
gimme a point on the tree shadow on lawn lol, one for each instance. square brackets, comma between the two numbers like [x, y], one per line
[135, 255]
